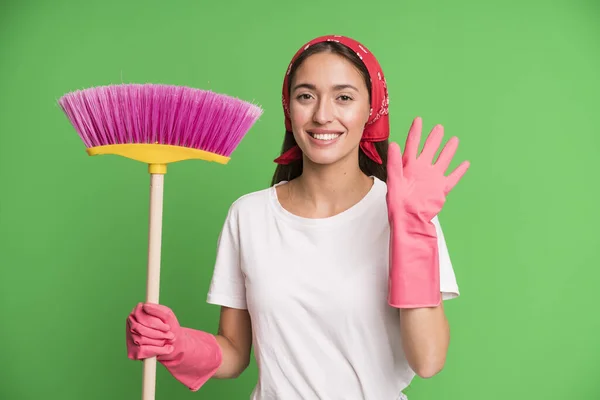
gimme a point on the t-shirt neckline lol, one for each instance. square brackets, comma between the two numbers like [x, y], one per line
[347, 215]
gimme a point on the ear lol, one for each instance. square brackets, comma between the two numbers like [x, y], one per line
[367, 114]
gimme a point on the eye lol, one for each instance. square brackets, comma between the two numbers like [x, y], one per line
[304, 96]
[345, 98]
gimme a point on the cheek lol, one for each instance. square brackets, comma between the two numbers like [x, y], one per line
[355, 120]
[299, 115]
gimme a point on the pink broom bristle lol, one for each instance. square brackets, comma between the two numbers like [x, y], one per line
[163, 114]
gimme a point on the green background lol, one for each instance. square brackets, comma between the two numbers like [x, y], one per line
[516, 81]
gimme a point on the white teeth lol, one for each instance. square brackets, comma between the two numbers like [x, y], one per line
[325, 136]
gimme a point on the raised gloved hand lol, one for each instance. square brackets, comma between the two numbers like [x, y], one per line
[417, 190]
[190, 355]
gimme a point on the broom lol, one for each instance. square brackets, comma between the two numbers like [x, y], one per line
[158, 125]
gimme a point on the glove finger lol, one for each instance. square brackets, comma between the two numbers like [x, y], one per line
[432, 144]
[456, 176]
[163, 313]
[139, 340]
[413, 140]
[140, 347]
[149, 320]
[143, 330]
[446, 155]
[142, 352]
[394, 161]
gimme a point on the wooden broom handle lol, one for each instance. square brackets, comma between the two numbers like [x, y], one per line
[153, 272]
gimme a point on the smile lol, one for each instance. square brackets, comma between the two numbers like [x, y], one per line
[326, 136]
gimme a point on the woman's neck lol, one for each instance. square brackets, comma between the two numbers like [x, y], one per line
[324, 191]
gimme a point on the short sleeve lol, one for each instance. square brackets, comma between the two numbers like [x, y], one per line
[448, 284]
[227, 287]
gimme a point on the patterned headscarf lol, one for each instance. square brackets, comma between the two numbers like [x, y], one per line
[377, 127]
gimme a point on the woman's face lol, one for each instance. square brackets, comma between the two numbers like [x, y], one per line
[329, 107]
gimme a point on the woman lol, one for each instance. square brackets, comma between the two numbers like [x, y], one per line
[336, 273]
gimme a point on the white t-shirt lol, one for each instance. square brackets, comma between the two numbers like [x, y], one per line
[316, 291]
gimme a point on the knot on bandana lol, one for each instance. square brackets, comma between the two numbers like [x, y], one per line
[377, 127]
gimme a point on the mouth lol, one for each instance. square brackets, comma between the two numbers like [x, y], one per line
[324, 136]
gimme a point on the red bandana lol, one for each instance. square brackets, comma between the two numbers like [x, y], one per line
[377, 127]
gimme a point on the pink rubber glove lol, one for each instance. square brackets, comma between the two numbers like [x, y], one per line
[190, 355]
[417, 190]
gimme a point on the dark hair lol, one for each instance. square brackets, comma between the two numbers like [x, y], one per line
[368, 166]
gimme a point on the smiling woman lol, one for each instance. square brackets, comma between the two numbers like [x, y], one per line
[336, 273]
[356, 89]
[328, 118]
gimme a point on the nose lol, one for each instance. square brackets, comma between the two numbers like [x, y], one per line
[324, 112]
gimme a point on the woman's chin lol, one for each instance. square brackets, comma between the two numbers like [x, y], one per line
[323, 161]
[325, 157]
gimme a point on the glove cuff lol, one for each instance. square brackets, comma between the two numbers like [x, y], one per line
[414, 277]
[198, 356]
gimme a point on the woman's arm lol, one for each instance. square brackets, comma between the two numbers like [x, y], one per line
[425, 338]
[235, 339]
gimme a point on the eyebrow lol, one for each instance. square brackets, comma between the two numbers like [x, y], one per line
[313, 87]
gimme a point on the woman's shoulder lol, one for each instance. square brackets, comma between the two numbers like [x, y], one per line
[252, 202]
